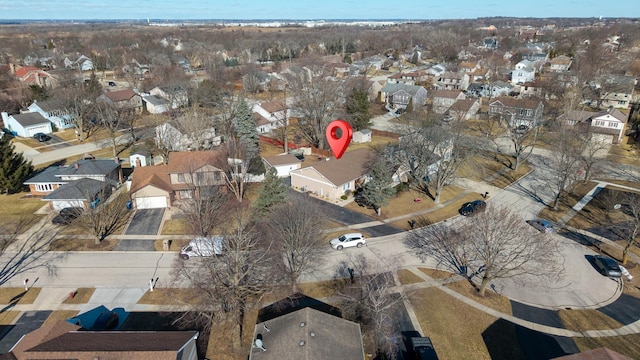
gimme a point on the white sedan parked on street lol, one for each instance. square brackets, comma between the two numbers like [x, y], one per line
[348, 240]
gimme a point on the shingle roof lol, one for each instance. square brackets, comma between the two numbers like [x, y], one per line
[392, 88]
[50, 105]
[155, 100]
[273, 106]
[516, 103]
[90, 167]
[48, 175]
[82, 189]
[259, 119]
[309, 334]
[157, 176]
[463, 105]
[30, 119]
[186, 161]
[120, 95]
[449, 94]
[282, 159]
[121, 341]
[25, 70]
[351, 166]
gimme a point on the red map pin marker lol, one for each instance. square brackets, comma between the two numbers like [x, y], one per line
[339, 144]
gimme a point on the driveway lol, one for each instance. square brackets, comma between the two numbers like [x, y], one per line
[144, 222]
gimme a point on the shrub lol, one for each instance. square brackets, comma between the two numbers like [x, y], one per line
[344, 197]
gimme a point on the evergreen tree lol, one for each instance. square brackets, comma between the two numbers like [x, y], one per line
[378, 190]
[357, 108]
[273, 193]
[246, 130]
[14, 169]
[93, 87]
[38, 93]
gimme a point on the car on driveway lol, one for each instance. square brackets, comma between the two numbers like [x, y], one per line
[473, 208]
[542, 225]
[607, 266]
[67, 216]
[348, 240]
[41, 137]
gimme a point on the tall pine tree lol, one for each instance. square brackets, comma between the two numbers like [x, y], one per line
[14, 169]
[357, 108]
[246, 130]
[273, 193]
[378, 190]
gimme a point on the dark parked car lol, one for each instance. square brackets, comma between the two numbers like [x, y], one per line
[112, 83]
[418, 347]
[607, 266]
[542, 225]
[473, 208]
[41, 137]
[67, 216]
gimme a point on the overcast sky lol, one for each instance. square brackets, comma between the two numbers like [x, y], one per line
[305, 9]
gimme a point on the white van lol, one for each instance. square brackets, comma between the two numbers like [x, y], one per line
[202, 247]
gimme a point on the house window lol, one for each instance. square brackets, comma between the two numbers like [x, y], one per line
[44, 187]
[571, 122]
[613, 124]
[181, 177]
[599, 123]
[529, 112]
[346, 186]
[622, 102]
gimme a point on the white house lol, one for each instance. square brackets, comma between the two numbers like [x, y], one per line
[83, 63]
[524, 72]
[169, 137]
[53, 111]
[176, 95]
[606, 125]
[155, 104]
[270, 115]
[140, 158]
[283, 163]
[560, 63]
[26, 125]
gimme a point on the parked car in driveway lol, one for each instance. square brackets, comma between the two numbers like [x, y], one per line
[41, 137]
[67, 216]
[473, 208]
[542, 225]
[348, 240]
[607, 266]
[202, 247]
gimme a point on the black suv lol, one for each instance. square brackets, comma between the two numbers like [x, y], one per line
[41, 137]
[473, 208]
[66, 216]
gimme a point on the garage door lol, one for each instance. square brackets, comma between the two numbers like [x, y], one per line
[151, 202]
[61, 204]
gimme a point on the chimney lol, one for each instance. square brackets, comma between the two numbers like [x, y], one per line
[77, 166]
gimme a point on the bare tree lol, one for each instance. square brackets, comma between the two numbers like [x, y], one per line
[492, 245]
[229, 284]
[111, 119]
[235, 166]
[205, 211]
[106, 218]
[297, 225]
[316, 99]
[24, 248]
[369, 299]
[524, 141]
[565, 161]
[623, 218]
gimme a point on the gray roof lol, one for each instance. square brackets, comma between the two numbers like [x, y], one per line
[30, 119]
[83, 189]
[50, 105]
[282, 159]
[48, 175]
[309, 334]
[90, 167]
[392, 88]
[155, 100]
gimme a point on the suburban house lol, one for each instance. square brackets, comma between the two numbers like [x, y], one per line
[64, 340]
[373, 91]
[60, 185]
[185, 174]
[83, 63]
[606, 125]
[28, 124]
[53, 111]
[490, 43]
[524, 72]
[450, 80]
[516, 112]
[307, 333]
[400, 96]
[170, 137]
[561, 63]
[256, 81]
[283, 163]
[270, 115]
[436, 70]
[464, 109]
[361, 136]
[611, 90]
[333, 178]
[443, 99]
[339, 70]
[31, 75]
[122, 99]
[175, 95]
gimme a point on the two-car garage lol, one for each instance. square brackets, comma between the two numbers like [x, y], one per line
[151, 202]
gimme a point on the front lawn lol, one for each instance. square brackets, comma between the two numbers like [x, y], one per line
[20, 209]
